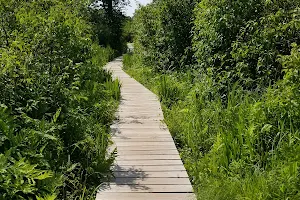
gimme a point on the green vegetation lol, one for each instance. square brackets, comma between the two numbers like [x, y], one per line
[228, 79]
[128, 30]
[108, 21]
[56, 101]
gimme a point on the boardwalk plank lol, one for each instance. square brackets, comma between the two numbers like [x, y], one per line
[135, 137]
[114, 188]
[145, 196]
[142, 139]
[152, 181]
[130, 143]
[143, 174]
[148, 157]
[147, 168]
[150, 147]
[149, 162]
[149, 152]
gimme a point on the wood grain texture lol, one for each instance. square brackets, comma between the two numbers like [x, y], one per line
[145, 196]
[115, 188]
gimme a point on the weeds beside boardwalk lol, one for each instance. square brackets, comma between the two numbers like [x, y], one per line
[244, 148]
[227, 74]
[56, 102]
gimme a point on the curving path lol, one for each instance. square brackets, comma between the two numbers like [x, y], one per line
[148, 166]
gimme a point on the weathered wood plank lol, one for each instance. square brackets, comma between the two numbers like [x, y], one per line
[145, 196]
[141, 139]
[143, 148]
[119, 136]
[149, 162]
[146, 148]
[137, 115]
[140, 125]
[141, 131]
[149, 152]
[130, 143]
[152, 181]
[144, 125]
[114, 188]
[147, 168]
[148, 157]
[141, 135]
[144, 174]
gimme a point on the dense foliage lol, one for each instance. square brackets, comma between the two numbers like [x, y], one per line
[56, 102]
[162, 34]
[241, 40]
[108, 19]
[128, 30]
[234, 108]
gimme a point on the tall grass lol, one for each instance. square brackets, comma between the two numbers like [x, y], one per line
[241, 146]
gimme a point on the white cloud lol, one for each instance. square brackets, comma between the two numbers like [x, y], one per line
[129, 10]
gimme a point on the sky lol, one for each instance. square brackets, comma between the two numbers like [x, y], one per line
[129, 10]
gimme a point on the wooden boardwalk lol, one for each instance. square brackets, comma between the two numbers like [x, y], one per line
[148, 166]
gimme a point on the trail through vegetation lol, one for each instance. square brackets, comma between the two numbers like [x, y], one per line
[227, 74]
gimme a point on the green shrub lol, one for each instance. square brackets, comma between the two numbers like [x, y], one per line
[162, 37]
[56, 102]
[241, 40]
[108, 25]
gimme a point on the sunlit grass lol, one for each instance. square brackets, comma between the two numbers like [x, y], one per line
[243, 147]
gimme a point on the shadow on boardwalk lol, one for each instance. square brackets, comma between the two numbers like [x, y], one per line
[128, 177]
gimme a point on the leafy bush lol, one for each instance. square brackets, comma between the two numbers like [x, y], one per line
[128, 30]
[108, 24]
[56, 102]
[241, 40]
[162, 36]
